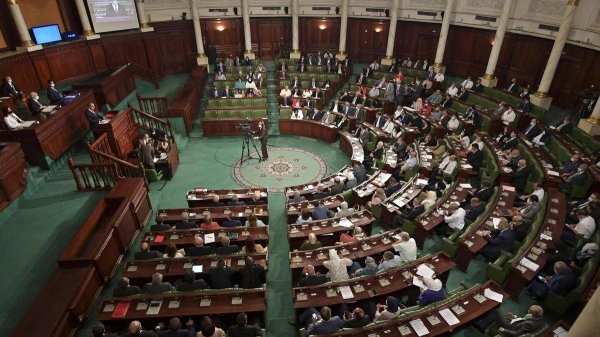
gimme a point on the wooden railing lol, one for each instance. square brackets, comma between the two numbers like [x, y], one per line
[147, 122]
[155, 106]
[95, 176]
[124, 168]
[144, 73]
[101, 145]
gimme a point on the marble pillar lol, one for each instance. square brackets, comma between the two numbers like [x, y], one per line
[341, 55]
[489, 80]
[295, 54]
[439, 54]
[247, 36]
[201, 58]
[26, 42]
[389, 52]
[541, 96]
[143, 19]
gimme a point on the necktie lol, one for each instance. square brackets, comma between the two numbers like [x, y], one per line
[510, 87]
[354, 100]
[529, 129]
[11, 85]
[519, 169]
[115, 7]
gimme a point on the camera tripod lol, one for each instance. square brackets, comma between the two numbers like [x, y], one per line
[246, 147]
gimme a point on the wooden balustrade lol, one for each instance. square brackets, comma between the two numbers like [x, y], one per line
[147, 122]
[155, 106]
[100, 145]
[143, 73]
[95, 176]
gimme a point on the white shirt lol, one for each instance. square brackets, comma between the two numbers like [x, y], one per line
[285, 93]
[586, 226]
[300, 115]
[407, 250]
[374, 92]
[453, 124]
[250, 85]
[12, 121]
[338, 268]
[439, 77]
[508, 117]
[410, 163]
[465, 141]
[448, 166]
[539, 193]
[538, 139]
[388, 127]
[456, 221]
[307, 93]
[452, 91]
[468, 84]
[374, 66]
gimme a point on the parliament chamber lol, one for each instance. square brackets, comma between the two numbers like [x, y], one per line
[300, 168]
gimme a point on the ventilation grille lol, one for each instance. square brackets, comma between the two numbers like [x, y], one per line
[548, 27]
[218, 10]
[375, 10]
[427, 13]
[321, 8]
[271, 8]
[485, 18]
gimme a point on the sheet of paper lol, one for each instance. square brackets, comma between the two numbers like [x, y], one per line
[423, 270]
[560, 332]
[496, 221]
[49, 108]
[508, 188]
[399, 203]
[492, 295]
[418, 283]
[553, 173]
[28, 124]
[466, 166]
[419, 327]
[421, 182]
[466, 186]
[209, 238]
[346, 223]
[449, 317]
[527, 263]
[346, 292]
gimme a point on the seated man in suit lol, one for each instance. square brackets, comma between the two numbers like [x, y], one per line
[520, 175]
[185, 223]
[376, 154]
[199, 249]
[571, 166]
[252, 275]
[243, 329]
[296, 198]
[189, 282]
[215, 92]
[560, 283]
[512, 87]
[478, 87]
[409, 213]
[227, 92]
[256, 200]
[10, 89]
[338, 186]
[519, 227]
[175, 329]
[146, 253]
[215, 202]
[320, 212]
[483, 194]
[392, 187]
[576, 179]
[226, 248]
[157, 286]
[99, 331]
[529, 210]
[474, 209]
[320, 193]
[355, 319]
[222, 276]
[160, 226]
[235, 201]
[475, 157]
[342, 123]
[54, 95]
[310, 278]
[510, 324]
[35, 106]
[123, 288]
[318, 323]
[565, 126]
[498, 240]
[532, 130]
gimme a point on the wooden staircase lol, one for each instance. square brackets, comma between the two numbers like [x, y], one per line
[144, 73]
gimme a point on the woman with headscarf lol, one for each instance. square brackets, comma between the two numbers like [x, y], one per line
[433, 293]
[250, 83]
[371, 267]
[337, 266]
[390, 310]
[357, 234]
[418, 104]
[429, 198]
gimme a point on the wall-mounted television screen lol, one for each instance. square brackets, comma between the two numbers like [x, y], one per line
[46, 34]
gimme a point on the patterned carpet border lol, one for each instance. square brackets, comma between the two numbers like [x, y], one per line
[279, 168]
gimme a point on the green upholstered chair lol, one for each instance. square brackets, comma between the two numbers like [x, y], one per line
[153, 176]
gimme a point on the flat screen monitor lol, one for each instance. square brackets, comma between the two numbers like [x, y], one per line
[46, 34]
[113, 15]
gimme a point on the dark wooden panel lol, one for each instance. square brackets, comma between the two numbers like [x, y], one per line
[416, 40]
[267, 33]
[152, 52]
[20, 68]
[13, 173]
[366, 39]
[174, 47]
[319, 34]
[66, 62]
[98, 57]
[226, 35]
[118, 48]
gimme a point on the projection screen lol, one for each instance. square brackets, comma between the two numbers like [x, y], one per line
[113, 15]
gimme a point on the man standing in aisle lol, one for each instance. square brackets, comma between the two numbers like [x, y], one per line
[263, 137]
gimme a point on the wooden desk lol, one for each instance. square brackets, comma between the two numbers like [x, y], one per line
[308, 128]
[362, 193]
[311, 188]
[542, 160]
[13, 173]
[55, 134]
[137, 191]
[185, 237]
[200, 197]
[496, 124]
[294, 210]
[428, 221]
[503, 176]
[405, 195]
[473, 309]
[109, 87]
[328, 231]
[381, 136]
[469, 246]
[140, 272]
[218, 214]
[351, 147]
[553, 225]
[550, 331]
[168, 165]
[392, 281]
[227, 127]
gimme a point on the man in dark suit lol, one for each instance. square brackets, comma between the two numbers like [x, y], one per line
[565, 126]
[359, 172]
[393, 187]
[185, 223]
[296, 83]
[526, 106]
[157, 286]
[478, 87]
[222, 276]
[282, 67]
[338, 186]
[226, 92]
[447, 103]
[400, 148]
[380, 120]
[463, 94]
[243, 329]
[484, 193]
[199, 249]
[475, 157]
[215, 92]
[510, 324]
[9, 88]
[189, 282]
[252, 275]
[357, 319]
[115, 9]
[520, 175]
[409, 213]
[175, 329]
[519, 228]
[317, 93]
[157, 134]
[99, 331]
[235, 201]
[146, 253]
[35, 106]
[263, 136]
[220, 67]
[212, 53]
[215, 202]
[512, 87]
[147, 155]
[301, 68]
[160, 226]
[226, 248]
[474, 209]
[560, 283]
[532, 130]
[512, 159]
[310, 278]
[499, 239]
[54, 96]
[315, 114]
[576, 179]
[123, 288]
[511, 143]
[342, 123]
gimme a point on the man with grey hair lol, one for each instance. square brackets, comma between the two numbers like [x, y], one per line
[185, 223]
[157, 286]
[235, 201]
[227, 248]
[199, 249]
[344, 211]
[454, 220]
[310, 278]
[351, 183]
[498, 240]
[256, 200]
[510, 324]
[297, 197]
[406, 247]
[338, 186]
[124, 289]
[389, 260]
[215, 202]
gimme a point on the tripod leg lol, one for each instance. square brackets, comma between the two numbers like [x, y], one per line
[260, 158]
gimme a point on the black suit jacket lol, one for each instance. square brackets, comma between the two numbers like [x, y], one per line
[520, 232]
[579, 179]
[232, 249]
[360, 173]
[148, 255]
[7, 90]
[511, 144]
[353, 323]
[475, 159]
[377, 153]
[195, 285]
[309, 281]
[503, 241]
[221, 278]
[244, 331]
[35, 107]
[92, 117]
[54, 95]
[129, 291]
[160, 228]
[151, 288]
[474, 212]
[414, 212]
[252, 277]
[565, 129]
[198, 251]
[535, 130]
[520, 177]
[447, 103]
[186, 225]
[484, 194]
[478, 88]
[343, 125]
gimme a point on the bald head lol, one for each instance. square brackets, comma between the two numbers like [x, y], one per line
[310, 270]
[198, 242]
[135, 328]
[145, 246]
[536, 311]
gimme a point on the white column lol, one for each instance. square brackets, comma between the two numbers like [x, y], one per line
[489, 80]
[439, 55]
[389, 52]
[26, 42]
[295, 54]
[541, 96]
[247, 36]
[144, 26]
[592, 124]
[201, 58]
[341, 55]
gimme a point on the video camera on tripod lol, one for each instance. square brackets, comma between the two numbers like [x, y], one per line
[245, 127]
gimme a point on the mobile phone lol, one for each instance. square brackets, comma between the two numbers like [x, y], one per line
[540, 277]
[314, 316]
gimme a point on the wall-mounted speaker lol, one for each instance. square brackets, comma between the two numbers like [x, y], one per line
[286, 9]
[387, 13]
[235, 11]
[337, 10]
